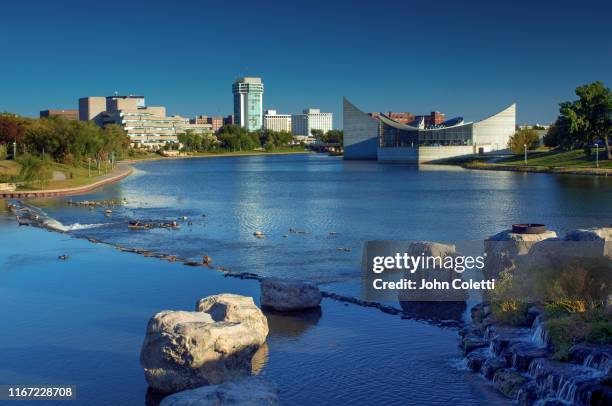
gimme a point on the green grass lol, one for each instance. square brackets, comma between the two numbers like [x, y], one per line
[559, 159]
[75, 176]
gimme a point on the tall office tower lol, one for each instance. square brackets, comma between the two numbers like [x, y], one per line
[248, 103]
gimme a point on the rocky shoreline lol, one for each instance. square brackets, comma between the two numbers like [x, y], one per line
[519, 363]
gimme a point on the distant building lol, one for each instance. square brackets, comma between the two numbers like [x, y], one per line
[215, 121]
[91, 109]
[430, 120]
[311, 119]
[67, 114]
[248, 103]
[229, 120]
[277, 122]
[147, 126]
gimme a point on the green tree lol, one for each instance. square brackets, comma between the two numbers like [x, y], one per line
[34, 169]
[318, 134]
[524, 136]
[334, 136]
[586, 120]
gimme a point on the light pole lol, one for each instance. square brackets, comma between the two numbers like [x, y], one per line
[525, 154]
[14, 150]
[596, 155]
[89, 167]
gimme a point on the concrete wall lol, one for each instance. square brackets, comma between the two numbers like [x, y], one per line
[424, 154]
[429, 154]
[497, 129]
[360, 133]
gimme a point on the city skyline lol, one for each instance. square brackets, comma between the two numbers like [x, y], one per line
[366, 56]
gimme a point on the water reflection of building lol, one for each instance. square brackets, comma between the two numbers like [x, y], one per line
[425, 138]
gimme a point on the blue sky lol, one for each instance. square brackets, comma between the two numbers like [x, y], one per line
[461, 58]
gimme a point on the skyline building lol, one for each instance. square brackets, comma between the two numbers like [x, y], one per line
[311, 119]
[248, 103]
[68, 114]
[277, 122]
[147, 126]
[379, 137]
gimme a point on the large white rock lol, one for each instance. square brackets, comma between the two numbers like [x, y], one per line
[289, 295]
[251, 391]
[503, 249]
[236, 309]
[184, 350]
[592, 241]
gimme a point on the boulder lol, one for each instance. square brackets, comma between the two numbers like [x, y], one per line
[593, 241]
[492, 365]
[509, 382]
[471, 342]
[476, 359]
[252, 391]
[289, 295]
[184, 350]
[232, 308]
[504, 248]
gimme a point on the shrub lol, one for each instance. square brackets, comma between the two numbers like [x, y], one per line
[510, 312]
[600, 332]
[523, 136]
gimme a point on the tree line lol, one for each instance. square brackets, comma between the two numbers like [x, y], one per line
[38, 143]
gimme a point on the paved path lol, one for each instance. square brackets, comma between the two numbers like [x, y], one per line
[122, 170]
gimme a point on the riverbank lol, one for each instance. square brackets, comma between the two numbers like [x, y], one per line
[560, 170]
[574, 162]
[121, 171]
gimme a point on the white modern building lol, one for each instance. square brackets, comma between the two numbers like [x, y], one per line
[384, 139]
[277, 122]
[248, 103]
[311, 119]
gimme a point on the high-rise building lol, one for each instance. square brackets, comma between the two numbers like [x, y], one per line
[311, 119]
[277, 122]
[67, 114]
[248, 103]
[91, 109]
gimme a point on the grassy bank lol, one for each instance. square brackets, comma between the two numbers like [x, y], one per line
[76, 176]
[65, 176]
[559, 162]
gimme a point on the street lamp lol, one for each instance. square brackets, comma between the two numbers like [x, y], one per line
[14, 150]
[596, 155]
[525, 154]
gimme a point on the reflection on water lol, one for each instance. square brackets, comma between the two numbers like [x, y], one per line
[339, 204]
[292, 324]
[434, 311]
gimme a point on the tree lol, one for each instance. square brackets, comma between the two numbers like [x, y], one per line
[334, 137]
[12, 129]
[524, 136]
[595, 111]
[584, 121]
[318, 134]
